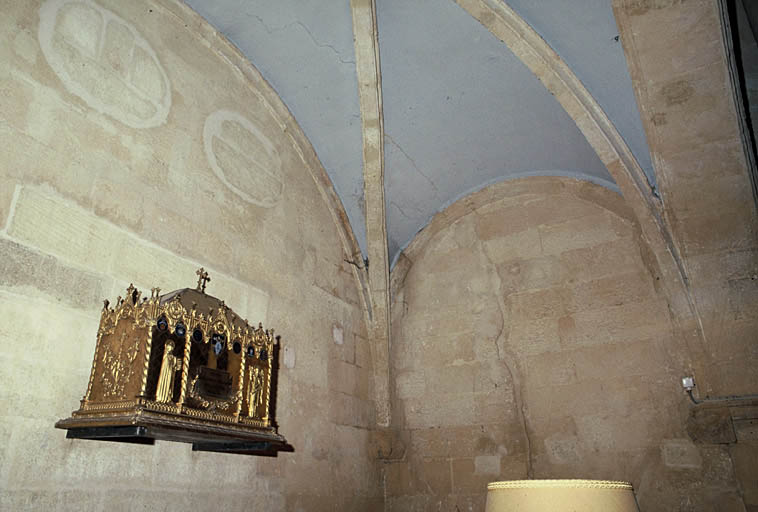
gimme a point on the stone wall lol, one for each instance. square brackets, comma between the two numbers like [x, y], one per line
[530, 339]
[137, 146]
[677, 61]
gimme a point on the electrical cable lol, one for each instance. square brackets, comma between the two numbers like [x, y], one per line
[698, 401]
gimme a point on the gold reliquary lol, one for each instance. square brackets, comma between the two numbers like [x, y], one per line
[180, 367]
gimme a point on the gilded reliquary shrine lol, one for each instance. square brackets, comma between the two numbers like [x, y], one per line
[180, 366]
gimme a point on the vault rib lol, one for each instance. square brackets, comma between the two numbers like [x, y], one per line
[368, 70]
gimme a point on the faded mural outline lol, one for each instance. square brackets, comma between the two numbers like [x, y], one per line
[104, 60]
[243, 158]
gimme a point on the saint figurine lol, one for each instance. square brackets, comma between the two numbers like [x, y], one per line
[169, 368]
[256, 391]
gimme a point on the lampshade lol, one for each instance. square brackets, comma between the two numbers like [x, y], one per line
[560, 496]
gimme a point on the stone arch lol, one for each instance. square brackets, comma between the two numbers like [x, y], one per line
[602, 135]
[518, 304]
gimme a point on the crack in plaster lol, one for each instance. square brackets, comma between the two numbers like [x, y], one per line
[307, 31]
[413, 163]
[402, 212]
[518, 391]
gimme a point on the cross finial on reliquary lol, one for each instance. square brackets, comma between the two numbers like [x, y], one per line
[202, 279]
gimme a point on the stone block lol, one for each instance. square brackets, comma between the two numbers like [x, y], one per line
[387, 444]
[711, 232]
[7, 424]
[745, 456]
[444, 322]
[718, 467]
[487, 464]
[27, 271]
[72, 463]
[645, 357]
[743, 298]
[687, 198]
[612, 291]
[601, 260]
[535, 337]
[454, 260]
[415, 502]
[398, 479]
[432, 475]
[310, 500]
[362, 352]
[451, 379]
[442, 441]
[367, 503]
[746, 430]
[353, 464]
[347, 378]
[711, 425]
[696, 109]
[502, 223]
[493, 406]
[550, 369]
[18, 95]
[51, 499]
[491, 376]
[350, 410]
[503, 437]
[66, 340]
[123, 500]
[718, 158]
[532, 274]
[605, 433]
[615, 324]
[410, 383]
[438, 351]
[674, 51]
[63, 229]
[465, 478]
[602, 198]
[734, 375]
[533, 304]
[176, 466]
[460, 502]
[611, 396]
[522, 245]
[50, 395]
[578, 233]
[439, 410]
[562, 449]
[681, 453]
[549, 210]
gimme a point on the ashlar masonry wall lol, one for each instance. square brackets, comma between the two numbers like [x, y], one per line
[138, 146]
[530, 341]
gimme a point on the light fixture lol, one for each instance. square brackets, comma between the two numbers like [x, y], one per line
[560, 496]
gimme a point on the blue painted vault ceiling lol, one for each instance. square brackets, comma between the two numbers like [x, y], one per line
[460, 110]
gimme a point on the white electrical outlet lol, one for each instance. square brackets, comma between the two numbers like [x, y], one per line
[688, 383]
